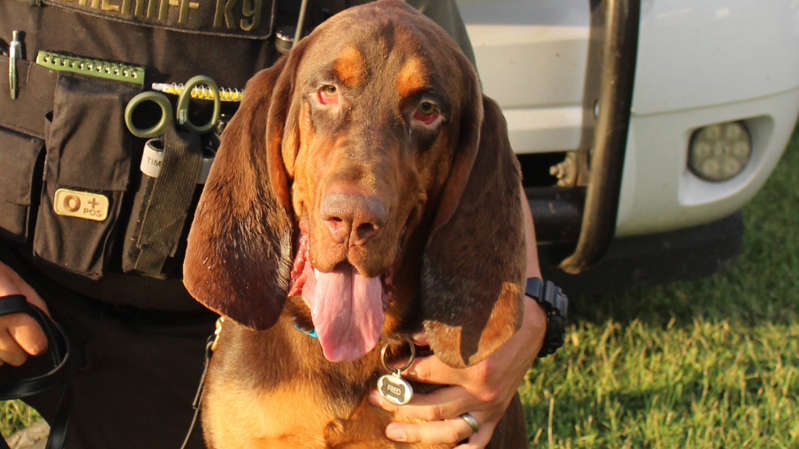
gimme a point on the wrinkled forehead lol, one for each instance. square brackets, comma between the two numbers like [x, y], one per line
[390, 45]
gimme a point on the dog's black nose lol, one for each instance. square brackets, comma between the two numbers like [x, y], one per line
[352, 216]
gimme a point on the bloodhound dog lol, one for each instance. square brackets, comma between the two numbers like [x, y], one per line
[364, 189]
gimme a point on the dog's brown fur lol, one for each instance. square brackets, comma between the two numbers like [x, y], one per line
[447, 227]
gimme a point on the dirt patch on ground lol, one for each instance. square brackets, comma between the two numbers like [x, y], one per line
[31, 437]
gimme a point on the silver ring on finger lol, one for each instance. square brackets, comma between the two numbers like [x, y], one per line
[471, 421]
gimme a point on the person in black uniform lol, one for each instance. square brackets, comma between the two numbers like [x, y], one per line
[138, 338]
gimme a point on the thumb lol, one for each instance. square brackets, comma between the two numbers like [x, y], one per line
[11, 283]
[27, 333]
[23, 329]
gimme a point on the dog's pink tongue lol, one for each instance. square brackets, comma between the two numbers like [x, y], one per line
[347, 312]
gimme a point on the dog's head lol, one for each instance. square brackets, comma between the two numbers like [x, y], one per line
[365, 158]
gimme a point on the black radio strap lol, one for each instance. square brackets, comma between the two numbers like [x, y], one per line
[58, 351]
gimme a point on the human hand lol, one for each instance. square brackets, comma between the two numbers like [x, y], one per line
[20, 335]
[484, 390]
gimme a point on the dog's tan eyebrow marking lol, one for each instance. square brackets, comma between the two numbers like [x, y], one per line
[412, 77]
[350, 67]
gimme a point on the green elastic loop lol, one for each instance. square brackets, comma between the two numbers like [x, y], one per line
[185, 98]
[166, 114]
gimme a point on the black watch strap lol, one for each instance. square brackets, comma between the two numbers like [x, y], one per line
[556, 305]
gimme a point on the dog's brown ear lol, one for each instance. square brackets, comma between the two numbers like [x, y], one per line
[474, 260]
[239, 255]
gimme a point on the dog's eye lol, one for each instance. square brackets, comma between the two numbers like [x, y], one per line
[328, 94]
[427, 112]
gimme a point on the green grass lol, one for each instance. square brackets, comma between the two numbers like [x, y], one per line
[712, 363]
[15, 415]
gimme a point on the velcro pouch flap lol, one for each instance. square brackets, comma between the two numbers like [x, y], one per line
[18, 157]
[86, 174]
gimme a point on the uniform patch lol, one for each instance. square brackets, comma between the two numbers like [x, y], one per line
[85, 205]
[241, 18]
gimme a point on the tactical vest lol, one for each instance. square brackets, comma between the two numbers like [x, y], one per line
[74, 195]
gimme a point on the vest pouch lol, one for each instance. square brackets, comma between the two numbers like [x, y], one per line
[151, 161]
[162, 208]
[19, 156]
[86, 174]
[154, 243]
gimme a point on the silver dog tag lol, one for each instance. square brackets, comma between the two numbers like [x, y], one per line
[394, 388]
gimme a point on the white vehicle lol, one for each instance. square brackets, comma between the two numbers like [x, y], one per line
[643, 127]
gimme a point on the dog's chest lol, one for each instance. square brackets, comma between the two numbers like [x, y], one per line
[259, 397]
[295, 415]
[270, 389]
[289, 416]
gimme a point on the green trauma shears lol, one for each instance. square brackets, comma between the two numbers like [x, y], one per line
[181, 117]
